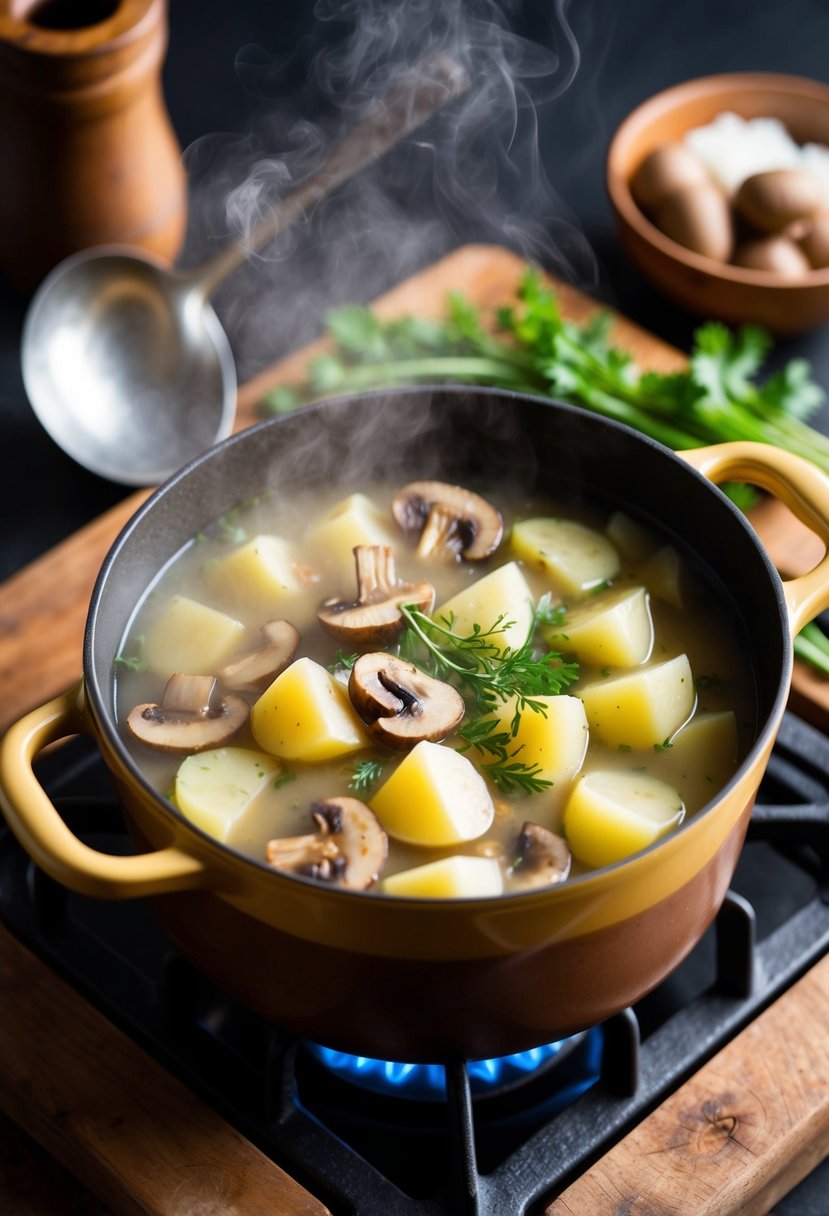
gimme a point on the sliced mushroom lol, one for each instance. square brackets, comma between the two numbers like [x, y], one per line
[348, 849]
[374, 618]
[401, 705]
[191, 716]
[256, 669]
[452, 522]
[543, 858]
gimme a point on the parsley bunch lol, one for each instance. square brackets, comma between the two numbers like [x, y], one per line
[717, 398]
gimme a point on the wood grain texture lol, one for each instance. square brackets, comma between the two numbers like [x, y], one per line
[119, 1121]
[738, 1135]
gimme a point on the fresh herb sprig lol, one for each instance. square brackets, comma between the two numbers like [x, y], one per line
[506, 769]
[486, 671]
[365, 775]
[489, 673]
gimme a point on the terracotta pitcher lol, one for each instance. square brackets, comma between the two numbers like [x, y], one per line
[89, 156]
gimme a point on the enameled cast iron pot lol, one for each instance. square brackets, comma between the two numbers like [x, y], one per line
[427, 979]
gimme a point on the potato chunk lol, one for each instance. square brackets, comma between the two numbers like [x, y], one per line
[662, 574]
[555, 739]
[574, 557]
[305, 714]
[704, 755]
[610, 815]
[434, 797]
[630, 538]
[355, 520]
[214, 789]
[260, 573]
[505, 592]
[641, 708]
[191, 638]
[449, 878]
[613, 630]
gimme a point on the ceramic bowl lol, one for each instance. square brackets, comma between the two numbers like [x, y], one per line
[701, 285]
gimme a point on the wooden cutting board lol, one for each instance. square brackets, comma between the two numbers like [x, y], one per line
[43, 607]
[739, 1134]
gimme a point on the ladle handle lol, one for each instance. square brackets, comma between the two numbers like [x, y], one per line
[801, 486]
[36, 823]
[424, 89]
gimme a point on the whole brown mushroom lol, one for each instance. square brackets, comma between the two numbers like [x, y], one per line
[451, 522]
[191, 716]
[400, 704]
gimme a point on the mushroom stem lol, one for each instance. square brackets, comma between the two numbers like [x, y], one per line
[374, 618]
[376, 574]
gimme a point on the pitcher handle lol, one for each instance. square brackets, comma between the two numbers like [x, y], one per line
[798, 483]
[38, 826]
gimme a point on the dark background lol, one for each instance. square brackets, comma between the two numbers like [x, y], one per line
[235, 69]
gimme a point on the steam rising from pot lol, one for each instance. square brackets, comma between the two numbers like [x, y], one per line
[472, 173]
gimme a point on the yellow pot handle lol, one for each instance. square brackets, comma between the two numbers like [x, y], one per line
[797, 483]
[46, 838]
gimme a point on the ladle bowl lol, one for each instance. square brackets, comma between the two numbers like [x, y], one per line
[127, 366]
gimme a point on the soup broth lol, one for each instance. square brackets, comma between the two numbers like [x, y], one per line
[654, 712]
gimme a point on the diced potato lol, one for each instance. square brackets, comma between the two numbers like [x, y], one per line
[260, 573]
[574, 557]
[215, 788]
[630, 538]
[662, 575]
[704, 754]
[505, 592]
[610, 815]
[555, 740]
[434, 797]
[641, 708]
[191, 638]
[450, 878]
[613, 630]
[305, 714]
[355, 520]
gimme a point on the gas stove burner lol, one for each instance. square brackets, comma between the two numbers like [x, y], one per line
[487, 1078]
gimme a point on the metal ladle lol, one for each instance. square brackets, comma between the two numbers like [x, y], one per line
[125, 362]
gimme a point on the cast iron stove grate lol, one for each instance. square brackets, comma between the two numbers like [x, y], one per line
[467, 1156]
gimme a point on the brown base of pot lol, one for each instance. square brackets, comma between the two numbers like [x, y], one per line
[473, 1009]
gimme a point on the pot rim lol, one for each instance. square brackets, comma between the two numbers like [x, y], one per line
[104, 720]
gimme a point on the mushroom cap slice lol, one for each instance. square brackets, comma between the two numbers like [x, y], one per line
[400, 704]
[254, 670]
[348, 849]
[191, 717]
[543, 858]
[374, 618]
[451, 522]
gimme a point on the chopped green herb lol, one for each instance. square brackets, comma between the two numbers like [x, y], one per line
[366, 774]
[133, 662]
[283, 779]
[343, 661]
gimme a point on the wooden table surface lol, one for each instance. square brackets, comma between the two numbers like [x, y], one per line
[739, 1134]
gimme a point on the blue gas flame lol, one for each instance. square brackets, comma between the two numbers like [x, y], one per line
[428, 1081]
